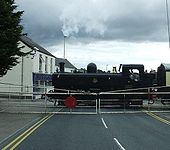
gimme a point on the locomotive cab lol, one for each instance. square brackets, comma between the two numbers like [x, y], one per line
[133, 75]
[134, 72]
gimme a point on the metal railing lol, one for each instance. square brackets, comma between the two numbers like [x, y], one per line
[14, 101]
[136, 100]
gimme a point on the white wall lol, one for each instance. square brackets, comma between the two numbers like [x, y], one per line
[40, 87]
[69, 69]
[14, 76]
[65, 69]
[36, 63]
[167, 78]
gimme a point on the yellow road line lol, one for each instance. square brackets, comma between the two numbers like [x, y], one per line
[158, 118]
[29, 133]
[7, 146]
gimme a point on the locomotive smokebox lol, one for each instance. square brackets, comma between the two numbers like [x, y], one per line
[91, 68]
[61, 66]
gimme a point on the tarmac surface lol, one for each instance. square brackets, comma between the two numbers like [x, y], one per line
[134, 131]
[10, 123]
[41, 125]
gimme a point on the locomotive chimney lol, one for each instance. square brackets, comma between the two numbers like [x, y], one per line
[61, 66]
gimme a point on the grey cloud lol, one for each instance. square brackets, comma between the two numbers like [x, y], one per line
[122, 20]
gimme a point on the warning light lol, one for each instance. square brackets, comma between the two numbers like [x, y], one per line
[70, 102]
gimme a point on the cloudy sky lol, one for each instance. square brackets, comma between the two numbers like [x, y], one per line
[106, 32]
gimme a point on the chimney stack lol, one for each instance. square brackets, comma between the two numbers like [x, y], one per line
[61, 66]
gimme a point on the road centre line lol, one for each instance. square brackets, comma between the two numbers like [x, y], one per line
[29, 133]
[104, 123]
[28, 130]
[158, 118]
[19, 130]
[118, 143]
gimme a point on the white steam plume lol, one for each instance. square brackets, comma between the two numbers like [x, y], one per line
[85, 16]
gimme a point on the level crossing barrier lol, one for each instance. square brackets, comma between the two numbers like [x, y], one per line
[151, 99]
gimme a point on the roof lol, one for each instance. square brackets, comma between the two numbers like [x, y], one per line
[67, 64]
[27, 41]
[166, 66]
[133, 65]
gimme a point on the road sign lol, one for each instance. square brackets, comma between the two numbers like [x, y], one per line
[70, 102]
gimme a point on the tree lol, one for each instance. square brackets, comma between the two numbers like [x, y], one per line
[10, 32]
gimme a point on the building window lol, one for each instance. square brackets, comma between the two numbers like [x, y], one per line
[40, 63]
[37, 83]
[42, 83]
[46, 65]
[51, 65]
[37, 86]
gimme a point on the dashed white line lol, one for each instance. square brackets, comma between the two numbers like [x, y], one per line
[104, 123]
[120, 146]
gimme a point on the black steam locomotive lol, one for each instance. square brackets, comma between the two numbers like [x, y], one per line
[91, 84]
[131, 76]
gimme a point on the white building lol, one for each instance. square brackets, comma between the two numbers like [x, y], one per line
[33, 73]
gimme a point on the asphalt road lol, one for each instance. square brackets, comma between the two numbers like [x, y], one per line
[10, 123]
[98, 132]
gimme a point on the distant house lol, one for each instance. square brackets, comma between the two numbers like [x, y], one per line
[34, 72]
[68, 67]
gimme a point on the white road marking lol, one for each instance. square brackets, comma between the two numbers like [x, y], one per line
[120, 146]
[104, 123]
